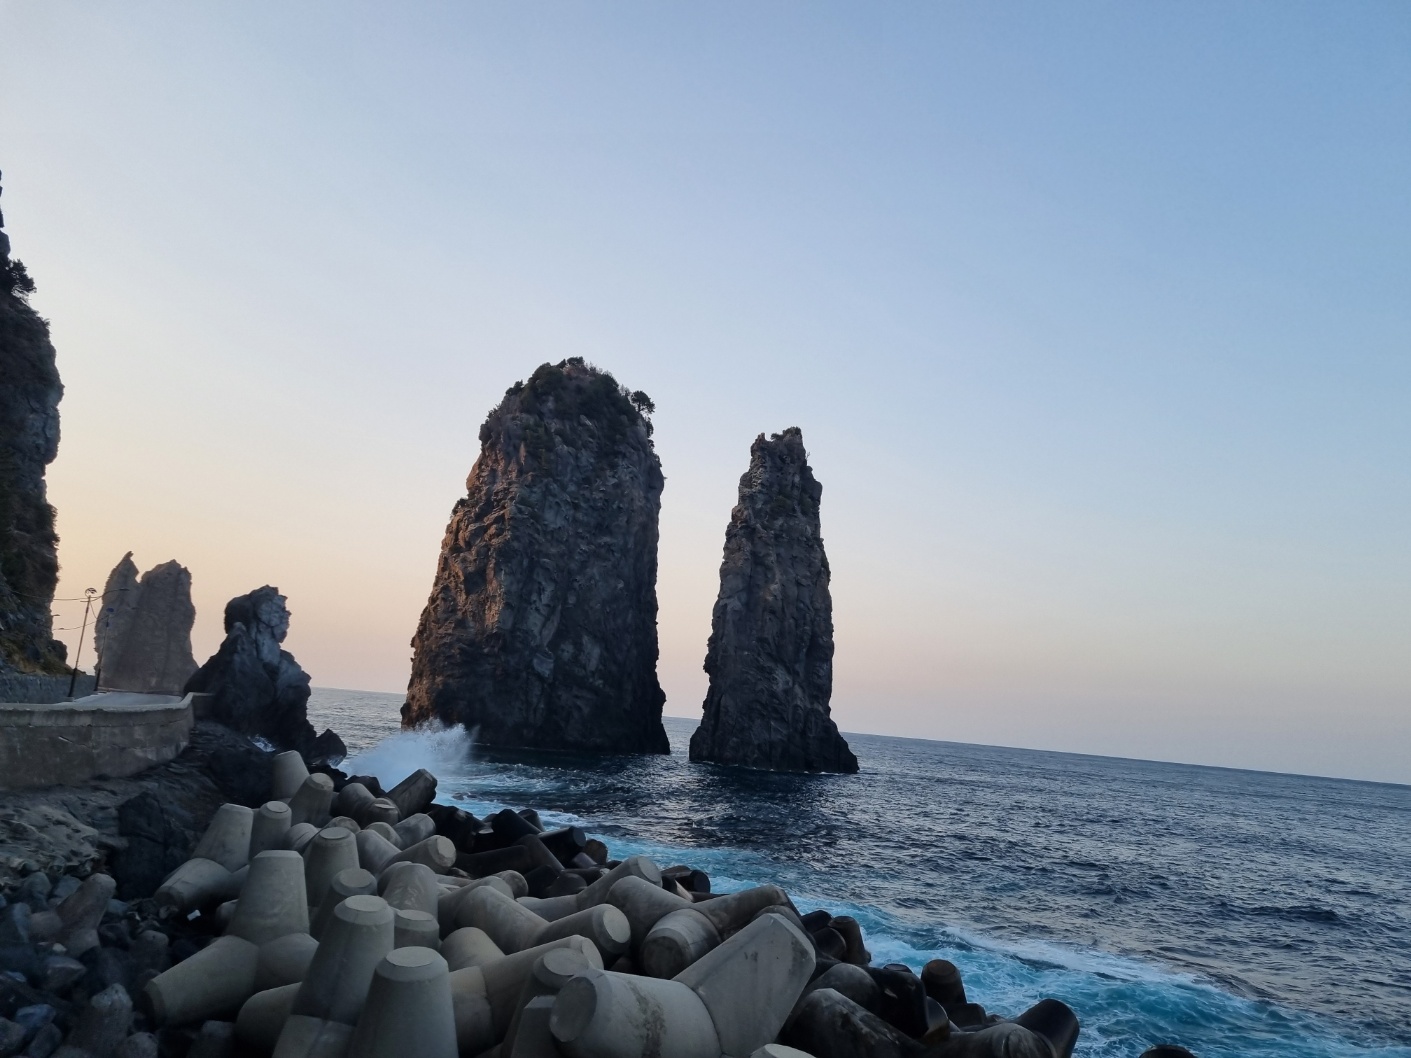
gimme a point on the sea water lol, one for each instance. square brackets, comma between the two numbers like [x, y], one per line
[1241, 914]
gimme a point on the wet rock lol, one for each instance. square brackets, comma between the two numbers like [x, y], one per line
[541, 626]
[35, 890]
[138, 1045]
[105, 967]
[59, 973]
[142, 631]
[770, 655]
[103, 1023]
[45, 1042]
[257, 687]
[12, 1038]
[14, 925]
[35, 1017]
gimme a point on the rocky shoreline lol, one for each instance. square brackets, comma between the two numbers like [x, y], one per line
[233, 903]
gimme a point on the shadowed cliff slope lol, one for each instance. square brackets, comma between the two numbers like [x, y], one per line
[29, 441]
[540, 630]
[770, 656]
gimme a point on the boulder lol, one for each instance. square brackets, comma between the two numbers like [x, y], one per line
[770, 655]
[541, 626]
[256, 687]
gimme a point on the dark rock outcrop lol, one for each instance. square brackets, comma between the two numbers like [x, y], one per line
[257, 688]
[541, 626]
[143, 629]
[29, 440]
[770, 656]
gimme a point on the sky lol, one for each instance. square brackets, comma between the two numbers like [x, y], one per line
[1096, 319]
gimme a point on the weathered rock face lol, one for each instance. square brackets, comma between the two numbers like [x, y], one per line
[541, 626]
[143, 630]
[770, 656]
[29, 440]
[257, 687]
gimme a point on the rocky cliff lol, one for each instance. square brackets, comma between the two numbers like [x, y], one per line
[541, 626]
[770, 656]
[257, 687]
[142, 633]
[29, 440]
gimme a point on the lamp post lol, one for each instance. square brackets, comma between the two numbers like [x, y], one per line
[87, 605]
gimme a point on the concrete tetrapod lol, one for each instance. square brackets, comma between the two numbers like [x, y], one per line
[352, 800]
[269, 827]
[1055, 1022]
[262, 1018]
[416, 929]
[675, 942]
[551, 972]
[380, 811]
[306, 1037]
[272, 902]
[436, 852]
[514, 927]
[600, 1014]
[532, 1037]
[469, 946]
[348, 823]
[408, 1009]
[375, 852]
[410, 887]
[213, 983]
[633, 866]
[332, 851]
[413, 793]
[485, 995]
[448, 902]
[644, 904]
[751, 982]
[604, 925]
[312, 801]
[830, 1025]
[288, 775]
[352, 882]
[298, 836]
[386, 831]
[227, 837]
[197, 884]
[510, 925]
[1005, 1040]
[355, 941]
[417, 828]
[284, 961]
[731, 912]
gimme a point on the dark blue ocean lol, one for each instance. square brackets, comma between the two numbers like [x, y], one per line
[1242, 914]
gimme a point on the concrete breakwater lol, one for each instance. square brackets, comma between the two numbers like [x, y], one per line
[340, 918]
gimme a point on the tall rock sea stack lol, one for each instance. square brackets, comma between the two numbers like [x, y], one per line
[29, 441]
[770, 656]
[541, 627]
[142, 631]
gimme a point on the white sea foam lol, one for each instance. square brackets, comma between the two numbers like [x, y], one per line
[440, 750]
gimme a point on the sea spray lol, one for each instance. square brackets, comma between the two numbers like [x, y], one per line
[440, 750]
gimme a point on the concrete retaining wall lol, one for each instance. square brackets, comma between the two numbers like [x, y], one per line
[103, 735]
[42, 690]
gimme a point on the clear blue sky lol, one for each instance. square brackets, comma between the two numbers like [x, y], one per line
[1096, 318]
